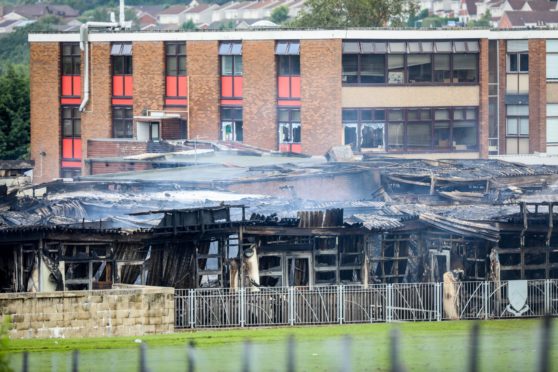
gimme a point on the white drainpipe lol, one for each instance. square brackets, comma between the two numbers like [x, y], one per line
[84, 46]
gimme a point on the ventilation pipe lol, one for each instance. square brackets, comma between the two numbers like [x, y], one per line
[84, 46]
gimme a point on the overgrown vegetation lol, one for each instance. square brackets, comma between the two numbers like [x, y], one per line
[354, 13]
[14, 113]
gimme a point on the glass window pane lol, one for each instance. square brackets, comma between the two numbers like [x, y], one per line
[395, 69]
[295, 116]
[238, 65]
[182, 65]
[281, 47]
[127, 65]
[552, 46]
[379, 115]
[419, 68]
[397, 47]
[66, 65]
[182, 49]
[427, 47]
[413, 115]
[350, 68]
[473, 46]
[76, 65]
[511, 126]
[350, 135]
[458, 114]
[517, 110]
[524, 62]
[395, 136]
[552, 130]
[296, 133]
[459, 46]
[419, 136]
[517, 46]
[283, 116]
[512, 63]
[171, 49]
[395, 115]
[372, 68]
[552, 66]
[126, 49]
[465, 135]
[284, 69]
[351, 47]
[465, 69]
[442, 135]
[77, 128]
[552, 109]
[380, 48]
[372, 136]
[226, 65]
[366, 47]
[67, 128]
[116, 49]
[470, 114]
[441, 115]
[67, 49]
[414, 47]
[443, 46]
[442, 71]
[366, 115]
[524, 126]
[237, 114]
[295, 65]
[294, 48]
[349, 115]
[172, 67]
[225, 48]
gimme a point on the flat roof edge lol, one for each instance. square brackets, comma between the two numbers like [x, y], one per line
[275, 34]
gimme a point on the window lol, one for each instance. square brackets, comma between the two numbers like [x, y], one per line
[122, 122]
[176, 59]
[288, 65]
[71, 135]
[231, 124]
[364, 128]
[289, 125]
[518, 56]
[71, 59]
[121, 59]
[231, 69]
[552, 60]
[422, 62]
[552, 123]
[517, 129]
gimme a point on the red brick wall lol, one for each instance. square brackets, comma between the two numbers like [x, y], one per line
[483, 99]
[45, 110]
[149, 76]
[502, 96]
[115, 148]
[172, 129]
[96, 121]
[203, 71]
[100, 167]
[260, 92]
[537, 95]
[320, 64]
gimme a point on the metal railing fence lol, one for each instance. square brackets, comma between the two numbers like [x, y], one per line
[343, 304]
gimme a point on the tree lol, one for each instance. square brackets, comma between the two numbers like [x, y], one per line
[14, 114]
[484, 21]
[280, 14]
[189, 25]
[354, 13]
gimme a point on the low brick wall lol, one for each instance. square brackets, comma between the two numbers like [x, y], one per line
[122, 311]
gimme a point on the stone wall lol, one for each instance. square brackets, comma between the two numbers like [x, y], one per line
[123, 311]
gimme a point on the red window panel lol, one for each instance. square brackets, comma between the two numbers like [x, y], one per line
[237, 86]
[182, 86]
[290, 147]
[71, 148]
[231, 102]
[288, 103]
[226, 86]
[295, 86]
[176, 102]
[70, 101]
[71, 164]
[118, 86]
[123, 101]
[172, 86]
[67, 86]
[128, 86]
[77, 85]
[284, 87]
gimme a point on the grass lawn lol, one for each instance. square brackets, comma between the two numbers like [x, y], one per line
[506, 345]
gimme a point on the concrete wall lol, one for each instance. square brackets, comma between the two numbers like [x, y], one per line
[123, 311]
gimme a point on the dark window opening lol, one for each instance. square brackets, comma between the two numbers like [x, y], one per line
[288, 65]
[289, 125]
[231, 124]
[364, 128]
[71, 59]
[175, 54]
[122, 122]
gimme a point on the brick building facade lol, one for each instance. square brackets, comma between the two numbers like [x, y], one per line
[439, 94]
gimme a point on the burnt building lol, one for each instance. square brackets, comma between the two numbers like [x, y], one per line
[427, 93]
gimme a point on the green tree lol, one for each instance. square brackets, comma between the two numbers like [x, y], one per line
[4, 340]
[484, 21]
[189, 25]
[280, 14]
[415, 20]
[14, 113]
[354, 13]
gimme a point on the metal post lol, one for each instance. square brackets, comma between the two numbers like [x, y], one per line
[340, 304]
[241, 293]
[346, 355]
[474, 349]
[485, 296]
[438, 302]
[75, 363]
[291, 305]
[142, 362]
[389, 304]
[544, 356]
[291, 354]
[190, 356]
[192, 301]
[394, 351]
[547, 297]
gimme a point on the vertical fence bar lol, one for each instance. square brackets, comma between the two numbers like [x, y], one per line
[547, 297]
[291, 305]
[389, 304]
[75, 361]
[242, 307]
[485, 299]
[192, 310]
[340, 304]
[438, 301]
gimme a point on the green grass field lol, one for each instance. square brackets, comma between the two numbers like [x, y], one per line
[506, 345]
